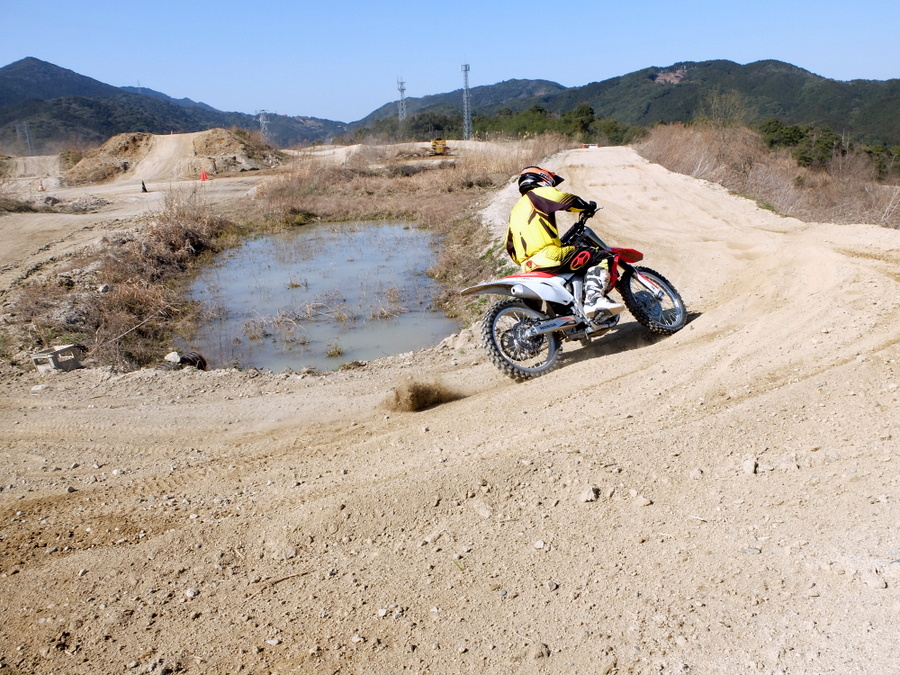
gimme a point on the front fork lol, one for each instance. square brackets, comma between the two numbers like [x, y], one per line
[647, 283]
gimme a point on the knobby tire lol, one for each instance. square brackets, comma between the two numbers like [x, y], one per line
[509, 352]
[664, 317]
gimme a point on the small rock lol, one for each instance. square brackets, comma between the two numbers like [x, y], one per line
[287, 553]
[589, 494]
[273, 642]
[192, 592]
[482, 509]
[641, 500]
[873, 580]
[432, 537]
[539, 543]
[552, 586]
[539, 651]
[749, 465]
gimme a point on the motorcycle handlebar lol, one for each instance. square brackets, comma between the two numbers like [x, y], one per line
[579, 225]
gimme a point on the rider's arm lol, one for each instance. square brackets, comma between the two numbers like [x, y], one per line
[549, 199]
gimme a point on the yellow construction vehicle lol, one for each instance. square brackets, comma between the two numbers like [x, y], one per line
[439, 147]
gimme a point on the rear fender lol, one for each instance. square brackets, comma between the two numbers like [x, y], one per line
[544, 287]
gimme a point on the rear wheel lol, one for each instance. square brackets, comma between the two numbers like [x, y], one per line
[519, 355]
[662, 311]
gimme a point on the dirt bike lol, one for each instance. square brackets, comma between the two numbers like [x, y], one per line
[523, 334]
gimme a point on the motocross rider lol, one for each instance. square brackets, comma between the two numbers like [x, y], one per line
[532, 239]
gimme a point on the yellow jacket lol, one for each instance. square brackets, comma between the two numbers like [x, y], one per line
[532, 238]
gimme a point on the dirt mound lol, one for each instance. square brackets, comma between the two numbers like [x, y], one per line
[110, 160]
[140, 156]
[235, 151]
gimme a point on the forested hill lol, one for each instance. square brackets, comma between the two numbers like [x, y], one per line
[483, 99]
[44, 108]
[864, 109]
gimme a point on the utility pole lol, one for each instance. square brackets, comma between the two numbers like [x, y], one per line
[467, 108]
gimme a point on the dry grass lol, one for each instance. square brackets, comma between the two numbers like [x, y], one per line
[130, 321]
[738, 158]
[391, 182]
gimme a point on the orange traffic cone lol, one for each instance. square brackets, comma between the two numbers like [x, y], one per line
[203, 176]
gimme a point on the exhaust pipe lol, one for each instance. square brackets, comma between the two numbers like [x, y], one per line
[520, 291]
[552, 325]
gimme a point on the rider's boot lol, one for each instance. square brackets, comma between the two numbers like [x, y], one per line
[597, 304]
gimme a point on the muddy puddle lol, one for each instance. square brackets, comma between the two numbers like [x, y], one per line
[319, 296]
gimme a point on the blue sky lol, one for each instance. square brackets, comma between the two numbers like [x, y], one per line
[341, 60]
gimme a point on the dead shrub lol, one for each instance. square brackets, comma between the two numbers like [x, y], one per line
[413, 396]
[737, 158]
[140, 273]
[130, 322]
[380, 183]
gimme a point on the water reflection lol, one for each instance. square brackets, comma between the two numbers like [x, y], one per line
[320, 296]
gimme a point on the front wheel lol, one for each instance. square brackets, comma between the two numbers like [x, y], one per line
[505, 335]
[658, 308]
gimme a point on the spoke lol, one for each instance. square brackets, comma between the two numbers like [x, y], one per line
[529, 352]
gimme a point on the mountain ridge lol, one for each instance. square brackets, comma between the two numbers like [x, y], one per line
[44, 106]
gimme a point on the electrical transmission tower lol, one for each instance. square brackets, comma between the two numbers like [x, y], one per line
[263, 116]
[23, 131]
[467, 108]
[401, 106]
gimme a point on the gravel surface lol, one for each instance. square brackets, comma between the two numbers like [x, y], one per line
[720, 501]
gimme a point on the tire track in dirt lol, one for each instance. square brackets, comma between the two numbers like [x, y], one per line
[715, 501]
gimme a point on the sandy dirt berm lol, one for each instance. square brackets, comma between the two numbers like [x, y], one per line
[720, 501]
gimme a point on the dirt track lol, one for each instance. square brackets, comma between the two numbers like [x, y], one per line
[32, 241]
[720, 501]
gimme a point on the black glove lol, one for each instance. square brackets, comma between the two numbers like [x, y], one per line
[590, 210]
